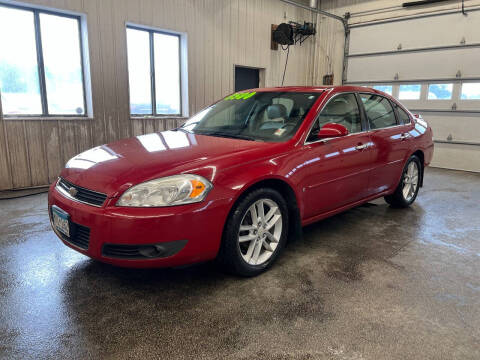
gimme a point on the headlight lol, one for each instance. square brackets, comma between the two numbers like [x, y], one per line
[167, 191]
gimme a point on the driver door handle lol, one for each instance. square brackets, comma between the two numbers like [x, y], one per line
[404, 136]
[361, 147]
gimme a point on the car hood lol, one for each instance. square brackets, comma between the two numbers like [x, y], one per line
[112, 168]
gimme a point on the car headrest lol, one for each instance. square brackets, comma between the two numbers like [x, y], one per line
[294, 112]
[276, 111]
[339, 107]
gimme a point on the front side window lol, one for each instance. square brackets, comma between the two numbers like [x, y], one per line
[379, 111]
[153, 72]
[343, 110]
[41, 70]
[262, 116]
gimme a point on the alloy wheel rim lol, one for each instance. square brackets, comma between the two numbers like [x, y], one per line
[410, 181]
[260, 231]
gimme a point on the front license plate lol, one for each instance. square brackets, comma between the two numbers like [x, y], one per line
[60, 221]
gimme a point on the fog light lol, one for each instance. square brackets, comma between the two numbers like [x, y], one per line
[152, 251]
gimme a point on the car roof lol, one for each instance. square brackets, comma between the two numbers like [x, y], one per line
[339, 88]
[329, 89]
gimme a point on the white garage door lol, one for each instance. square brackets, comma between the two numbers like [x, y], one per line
[432, 65]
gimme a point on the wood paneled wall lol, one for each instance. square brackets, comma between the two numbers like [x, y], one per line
[220, 34]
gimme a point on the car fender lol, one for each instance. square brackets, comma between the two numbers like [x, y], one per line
[237, 183]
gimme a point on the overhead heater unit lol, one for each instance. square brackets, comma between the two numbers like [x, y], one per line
[292, 33]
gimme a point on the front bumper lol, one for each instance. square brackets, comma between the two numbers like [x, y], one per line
[183, 234]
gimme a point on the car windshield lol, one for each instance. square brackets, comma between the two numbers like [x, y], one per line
[260, 116]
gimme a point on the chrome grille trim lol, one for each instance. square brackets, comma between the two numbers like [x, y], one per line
[83, 195]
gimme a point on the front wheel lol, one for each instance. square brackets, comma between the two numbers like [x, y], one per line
[255, 233]
[407, 190]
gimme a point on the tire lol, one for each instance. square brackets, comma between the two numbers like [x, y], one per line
[402, 198]
[247, 249]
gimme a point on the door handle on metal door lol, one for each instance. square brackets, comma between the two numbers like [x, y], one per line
[404, 136]
[361, 146]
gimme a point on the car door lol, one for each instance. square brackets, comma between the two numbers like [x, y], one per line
[389, 140]
[334, 172]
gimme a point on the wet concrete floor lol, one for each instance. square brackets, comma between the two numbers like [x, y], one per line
[371, 283]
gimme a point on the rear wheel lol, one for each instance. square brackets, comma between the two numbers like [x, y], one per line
[407, 190]
[255, 233]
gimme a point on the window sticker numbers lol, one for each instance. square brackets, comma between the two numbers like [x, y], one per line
[241, 96]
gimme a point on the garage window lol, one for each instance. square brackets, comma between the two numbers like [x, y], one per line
[154, 64]
[388, 89]
[470, 91]
[410, 91]
[41, 64]
[440, 91]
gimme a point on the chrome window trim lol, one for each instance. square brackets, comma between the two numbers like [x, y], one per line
[332, 138]
[70, 197]
[388, 127]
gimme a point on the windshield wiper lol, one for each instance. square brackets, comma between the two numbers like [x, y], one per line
[227, 135]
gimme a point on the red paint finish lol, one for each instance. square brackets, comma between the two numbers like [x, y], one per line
[332, 130]
[327, 176]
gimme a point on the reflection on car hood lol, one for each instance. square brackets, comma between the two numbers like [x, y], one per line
[113, 167]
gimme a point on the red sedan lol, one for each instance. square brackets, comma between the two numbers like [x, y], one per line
[237, 179]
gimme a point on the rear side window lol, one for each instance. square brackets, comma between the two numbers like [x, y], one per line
[403, 117]
[379, 111]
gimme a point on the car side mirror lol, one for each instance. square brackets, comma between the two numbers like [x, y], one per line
[332, 130]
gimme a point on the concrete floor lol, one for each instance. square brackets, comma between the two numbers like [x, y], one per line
[372, 283]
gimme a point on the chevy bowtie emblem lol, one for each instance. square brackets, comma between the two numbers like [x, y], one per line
[72, 191]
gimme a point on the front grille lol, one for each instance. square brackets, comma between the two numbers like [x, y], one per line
[81, 194]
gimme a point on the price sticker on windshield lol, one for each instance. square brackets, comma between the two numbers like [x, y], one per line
[241, 96]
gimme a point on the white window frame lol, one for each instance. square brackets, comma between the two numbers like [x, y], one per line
[85, 61]
[184, 108]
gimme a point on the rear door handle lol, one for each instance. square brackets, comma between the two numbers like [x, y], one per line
[361, 146]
